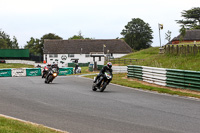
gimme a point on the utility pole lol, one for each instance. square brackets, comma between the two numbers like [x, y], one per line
[103, 48]
[160, 27]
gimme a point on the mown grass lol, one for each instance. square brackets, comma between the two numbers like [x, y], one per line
[189, 43]
[152, 58]
[15, 65]
[15, 126]
[121, 79]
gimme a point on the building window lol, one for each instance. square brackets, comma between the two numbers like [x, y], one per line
[53, 55]
[70, 55]
[99, 58]
[87, 55]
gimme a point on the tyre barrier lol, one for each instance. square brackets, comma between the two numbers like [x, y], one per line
[23, 72]
[175, 78]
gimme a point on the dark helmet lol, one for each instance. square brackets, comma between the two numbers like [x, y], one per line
[109, 65]
[54, 65]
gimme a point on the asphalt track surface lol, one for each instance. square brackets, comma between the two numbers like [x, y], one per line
[69, 104]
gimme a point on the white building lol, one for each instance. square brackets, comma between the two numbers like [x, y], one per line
[63, 52]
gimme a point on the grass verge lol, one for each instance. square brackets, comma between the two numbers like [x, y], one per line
[15, 65]
[9, 125]
[121, 79]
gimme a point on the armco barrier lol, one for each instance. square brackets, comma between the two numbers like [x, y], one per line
[192, 80]
[175, 78]
[183, 79]
[154, 75]
[33, 71]
[135, 71]
[5, 73]
[166, 77]
[65, 71]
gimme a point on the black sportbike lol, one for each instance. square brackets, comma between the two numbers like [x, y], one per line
[53, 73]
[104, 82]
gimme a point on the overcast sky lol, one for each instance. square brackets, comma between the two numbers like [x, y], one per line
[99, 19]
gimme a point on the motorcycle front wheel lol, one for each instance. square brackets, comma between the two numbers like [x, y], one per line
[50, 79]
[103, 87]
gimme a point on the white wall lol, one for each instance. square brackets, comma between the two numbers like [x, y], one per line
[81, 57]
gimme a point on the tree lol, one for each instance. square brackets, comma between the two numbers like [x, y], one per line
[6, 42]
[3, 43]
[35, 46]
[137, 34]
[182, 32]
[191, 18]
[168, 35]
[15, 43]
[79, 36]
[31, 46]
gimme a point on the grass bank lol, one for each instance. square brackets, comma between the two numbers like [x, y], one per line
[152, 58]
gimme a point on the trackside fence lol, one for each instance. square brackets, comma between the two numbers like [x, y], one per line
[119, 69]
[23, 72]
[166, 77]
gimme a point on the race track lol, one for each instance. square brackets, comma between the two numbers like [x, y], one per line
[69, 104]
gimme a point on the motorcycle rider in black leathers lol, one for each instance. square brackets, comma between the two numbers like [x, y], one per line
[50, 68]
[106, 68]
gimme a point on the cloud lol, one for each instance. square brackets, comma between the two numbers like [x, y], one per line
[25, 6]
[100, 19]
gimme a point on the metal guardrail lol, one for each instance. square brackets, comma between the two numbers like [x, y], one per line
[183, 79]
[154, 75]
[166, 77]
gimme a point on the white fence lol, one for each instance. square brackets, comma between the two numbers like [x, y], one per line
[21, 61]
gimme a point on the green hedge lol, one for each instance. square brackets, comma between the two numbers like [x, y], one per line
[79, 64]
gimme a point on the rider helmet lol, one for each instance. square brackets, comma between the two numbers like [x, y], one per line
[54, 65]
[109, 65]
[48, 64]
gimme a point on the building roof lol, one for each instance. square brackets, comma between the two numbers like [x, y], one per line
[191, 35]
[85, 46]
